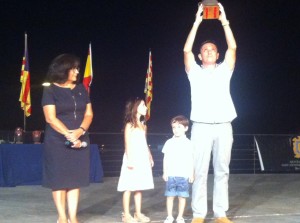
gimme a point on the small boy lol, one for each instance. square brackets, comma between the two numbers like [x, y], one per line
[178, 167]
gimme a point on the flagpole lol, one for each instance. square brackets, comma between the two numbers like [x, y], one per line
[147, 72]
[25, 85]
[148, 87]
[24, 127]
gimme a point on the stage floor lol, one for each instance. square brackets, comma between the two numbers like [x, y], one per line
[256, 198]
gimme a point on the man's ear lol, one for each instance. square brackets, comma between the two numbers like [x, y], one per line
[199, 56]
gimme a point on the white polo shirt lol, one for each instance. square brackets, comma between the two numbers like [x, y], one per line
[210, 94]
[178, 157]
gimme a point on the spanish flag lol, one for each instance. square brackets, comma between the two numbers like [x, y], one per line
[148, 87]
[25, 81]
[88, 72]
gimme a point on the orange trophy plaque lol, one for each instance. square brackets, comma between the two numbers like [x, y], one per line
[210, 9]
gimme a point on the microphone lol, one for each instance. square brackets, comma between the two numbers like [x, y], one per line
[83, 144]
[69, 144]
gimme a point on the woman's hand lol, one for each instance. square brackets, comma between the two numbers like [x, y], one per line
[76, 144]
[74, 134]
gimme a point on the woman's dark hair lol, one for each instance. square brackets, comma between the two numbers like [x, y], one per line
[131, 111]
[59, 68]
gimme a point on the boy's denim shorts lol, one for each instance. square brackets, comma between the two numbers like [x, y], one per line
[177, 186]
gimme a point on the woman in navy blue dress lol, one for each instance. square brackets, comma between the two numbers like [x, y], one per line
[68, 113]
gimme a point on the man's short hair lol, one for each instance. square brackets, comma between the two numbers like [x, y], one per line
[208, 41]
[181, 120]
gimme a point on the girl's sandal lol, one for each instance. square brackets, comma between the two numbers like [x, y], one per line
[128, 219]
[141, 218]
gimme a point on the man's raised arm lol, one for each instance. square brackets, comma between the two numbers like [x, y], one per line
[189, 57]
[230, 56]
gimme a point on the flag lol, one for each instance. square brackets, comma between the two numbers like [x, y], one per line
[25, 81]
[149, 87]
[88, 72]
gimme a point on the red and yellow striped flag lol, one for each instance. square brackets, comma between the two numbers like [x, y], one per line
[25, 81]
[149, 87]
[88, 72]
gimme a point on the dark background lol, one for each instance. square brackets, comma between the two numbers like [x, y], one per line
[264, 87]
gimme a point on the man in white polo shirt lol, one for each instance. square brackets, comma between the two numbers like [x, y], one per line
[212, 112]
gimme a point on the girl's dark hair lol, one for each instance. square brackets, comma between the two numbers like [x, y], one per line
[59, 68]
[131, 111]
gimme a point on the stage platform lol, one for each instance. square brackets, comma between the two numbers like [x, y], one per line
[259, 198]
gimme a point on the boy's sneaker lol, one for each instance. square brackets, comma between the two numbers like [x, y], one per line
[169, 219]
[180, 220]
[223, 220]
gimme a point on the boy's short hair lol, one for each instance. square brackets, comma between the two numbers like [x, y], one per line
[181, 120]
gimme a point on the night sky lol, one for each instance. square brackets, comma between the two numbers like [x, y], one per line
[264, 87]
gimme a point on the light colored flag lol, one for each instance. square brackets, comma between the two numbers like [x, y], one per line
[25, 98]
[149, 87]
[88, 72]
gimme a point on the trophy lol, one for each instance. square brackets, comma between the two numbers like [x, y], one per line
[210, 9]
[36, 137]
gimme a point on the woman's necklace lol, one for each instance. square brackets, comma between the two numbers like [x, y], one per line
[65, 85]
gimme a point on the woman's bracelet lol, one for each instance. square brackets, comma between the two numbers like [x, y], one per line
[83, 129]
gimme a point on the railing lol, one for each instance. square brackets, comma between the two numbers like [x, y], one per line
[244, 156]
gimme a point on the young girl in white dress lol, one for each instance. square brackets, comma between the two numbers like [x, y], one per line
[136, 171]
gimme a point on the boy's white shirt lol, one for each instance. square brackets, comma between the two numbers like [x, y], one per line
[178, 157]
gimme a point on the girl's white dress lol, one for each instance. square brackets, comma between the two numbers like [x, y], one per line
[140, 177]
